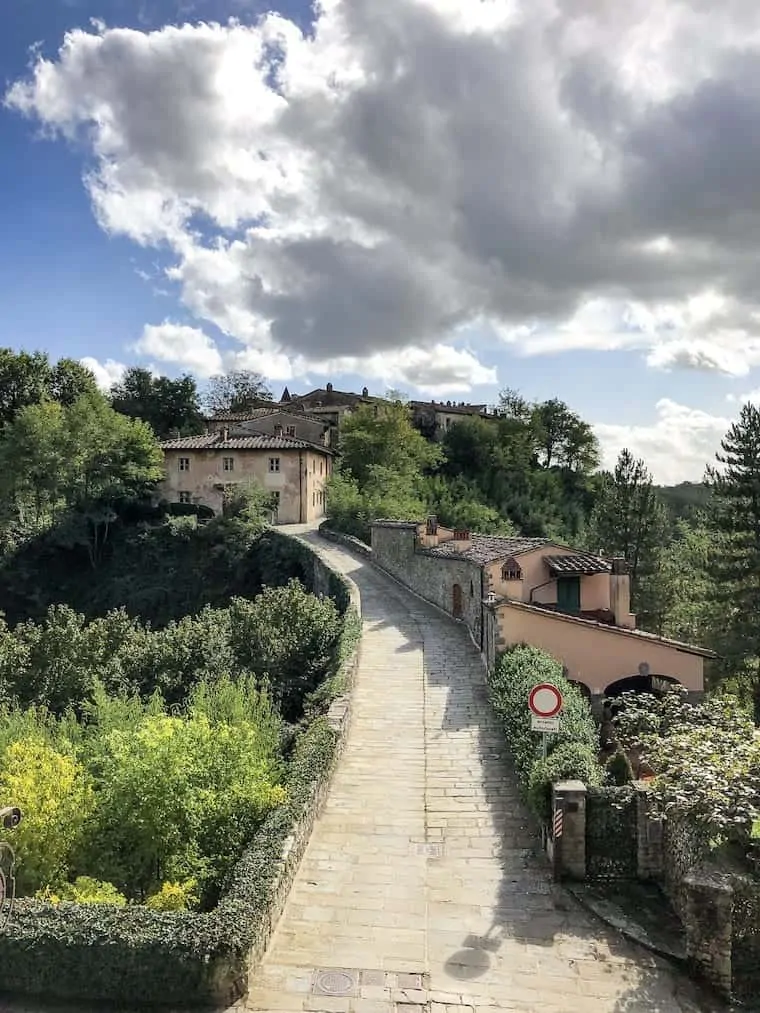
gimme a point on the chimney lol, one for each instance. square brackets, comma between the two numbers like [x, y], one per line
[620, 594]
[278, 430]
[329, 387]
[365, 392]
[225, 434]
[462, 538]
[430, 537]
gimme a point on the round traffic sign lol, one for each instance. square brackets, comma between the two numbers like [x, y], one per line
[545, 700]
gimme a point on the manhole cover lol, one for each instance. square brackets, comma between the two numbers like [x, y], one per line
[430, 850]
[335, 982]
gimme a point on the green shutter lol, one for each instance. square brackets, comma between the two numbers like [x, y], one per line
[569, 594]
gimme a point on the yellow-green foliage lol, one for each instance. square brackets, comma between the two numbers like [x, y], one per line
[174, 896]
[84, 890]
[56, 795]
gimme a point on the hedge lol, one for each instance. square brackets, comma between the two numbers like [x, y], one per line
[572, 752]
[109, 954]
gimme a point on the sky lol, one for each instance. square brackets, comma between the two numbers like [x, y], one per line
[557, 196]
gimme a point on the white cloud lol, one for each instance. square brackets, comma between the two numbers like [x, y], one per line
[186, 347]
[555, 170]
[676, 447]
[106, 373]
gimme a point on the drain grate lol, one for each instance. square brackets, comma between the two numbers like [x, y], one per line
[335, 982]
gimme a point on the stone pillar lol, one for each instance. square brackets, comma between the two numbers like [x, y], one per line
[570, 849]
[709, 929]
[649, 833]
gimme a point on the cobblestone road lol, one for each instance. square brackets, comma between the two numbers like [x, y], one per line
[421, 887]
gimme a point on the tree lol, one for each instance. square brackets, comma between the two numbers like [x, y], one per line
[373, 438]
[236, 391]
[84, 459]
[628, 519]
[513, 405]
[27, 378]
[170, 407]
[735, 555]
[563, 437]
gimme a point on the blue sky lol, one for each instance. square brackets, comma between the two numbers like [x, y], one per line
[429, 235]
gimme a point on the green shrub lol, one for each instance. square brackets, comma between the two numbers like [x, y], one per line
[516, 672]
[174, 896]
[570, 760]
[618, 768]
[85, 890]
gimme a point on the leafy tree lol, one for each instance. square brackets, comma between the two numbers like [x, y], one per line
[236, 391]
[563, 437]
[56, 796]
[513, 405]
[373, 438]
[289, 636]
[170, 407]
[735, 552]
[27, 378]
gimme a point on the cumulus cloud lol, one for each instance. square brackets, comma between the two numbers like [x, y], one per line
[179, 345]
[106, 373]
[676, 446]
[416, 165]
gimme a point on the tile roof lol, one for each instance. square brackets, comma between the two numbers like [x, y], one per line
[580, 562]
[262, 413]
[486, 548]
[212, 441]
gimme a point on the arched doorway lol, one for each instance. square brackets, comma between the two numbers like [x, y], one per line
[658, 685]
[457, 606]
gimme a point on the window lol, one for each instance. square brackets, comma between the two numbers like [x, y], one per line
[472, 590]
[320, 467]
[184, 464]
[274, 464]
[291, 430]
[276, 496]
[313, 499]
[228, 463]
[184, 497]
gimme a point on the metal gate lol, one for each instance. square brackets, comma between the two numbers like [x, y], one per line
[611, 834]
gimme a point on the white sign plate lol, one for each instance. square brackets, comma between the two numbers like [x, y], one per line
[544, 724]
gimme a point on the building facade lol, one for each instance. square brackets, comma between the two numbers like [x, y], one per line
[574, 605]
[200, 469]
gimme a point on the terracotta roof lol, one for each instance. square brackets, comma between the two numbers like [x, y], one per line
[564, 617]
[580, 562]
[261, 413]
[395, 524]
[486, 548]
[212, 442]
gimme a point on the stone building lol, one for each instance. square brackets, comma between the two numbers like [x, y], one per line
[510, 590]
[435, 418]
[327, 403]
[273, 420]
[198, 469]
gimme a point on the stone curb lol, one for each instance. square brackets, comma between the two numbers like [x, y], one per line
[612, 915]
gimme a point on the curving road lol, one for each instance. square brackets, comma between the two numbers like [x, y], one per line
[421, 887]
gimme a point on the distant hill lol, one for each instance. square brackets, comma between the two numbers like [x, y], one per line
[685, 499]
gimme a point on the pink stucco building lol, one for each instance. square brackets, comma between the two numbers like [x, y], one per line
[510, 590]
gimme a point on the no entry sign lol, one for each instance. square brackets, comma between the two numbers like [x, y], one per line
[545, 700]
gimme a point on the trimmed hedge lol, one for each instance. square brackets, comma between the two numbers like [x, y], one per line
[100, 952]
[571, 753]
[108, 954]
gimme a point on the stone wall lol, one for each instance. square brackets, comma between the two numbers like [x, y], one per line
[431, 577]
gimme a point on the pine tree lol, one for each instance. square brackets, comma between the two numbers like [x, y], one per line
[629, 520]
[735, 552]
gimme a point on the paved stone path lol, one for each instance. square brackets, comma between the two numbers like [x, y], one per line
[422, 888]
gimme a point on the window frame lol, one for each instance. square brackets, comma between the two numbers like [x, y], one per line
[228, 464]
[183, 464]
[274, 465]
